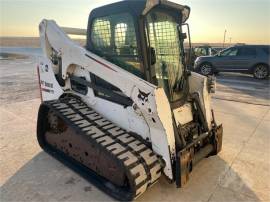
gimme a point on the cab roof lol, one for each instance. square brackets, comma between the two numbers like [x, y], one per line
[139, 7]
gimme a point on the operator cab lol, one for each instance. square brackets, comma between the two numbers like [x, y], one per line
[143, 37]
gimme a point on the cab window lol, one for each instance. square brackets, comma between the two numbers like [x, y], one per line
[114, 38]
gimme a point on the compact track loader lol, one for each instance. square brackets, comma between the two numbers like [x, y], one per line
[124, 110]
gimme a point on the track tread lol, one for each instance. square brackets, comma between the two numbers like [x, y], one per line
[142, 164]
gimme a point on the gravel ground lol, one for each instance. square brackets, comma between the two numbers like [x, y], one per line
[18, 80]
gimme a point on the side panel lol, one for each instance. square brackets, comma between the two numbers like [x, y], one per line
[161, 125]
[198, 83]
[50, 89]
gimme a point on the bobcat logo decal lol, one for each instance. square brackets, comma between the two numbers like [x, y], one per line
[143, 96]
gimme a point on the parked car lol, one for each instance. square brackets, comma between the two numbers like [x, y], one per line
[251, 59]
[198, 51]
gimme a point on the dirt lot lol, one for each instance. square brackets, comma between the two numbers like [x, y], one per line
[18, 80]
[241, 172]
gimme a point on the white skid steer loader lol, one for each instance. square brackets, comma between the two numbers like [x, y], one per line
[124, 110]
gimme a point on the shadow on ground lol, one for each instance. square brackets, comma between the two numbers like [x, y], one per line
[45, 179]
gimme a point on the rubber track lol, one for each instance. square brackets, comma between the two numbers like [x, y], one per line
[141, 164]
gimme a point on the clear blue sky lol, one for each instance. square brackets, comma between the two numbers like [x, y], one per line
[245, 20]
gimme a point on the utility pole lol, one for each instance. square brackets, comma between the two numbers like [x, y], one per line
[224, 38]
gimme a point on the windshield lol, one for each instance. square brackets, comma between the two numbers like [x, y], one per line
[163, 38]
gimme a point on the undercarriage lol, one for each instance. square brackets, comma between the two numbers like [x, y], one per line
[122, 165]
